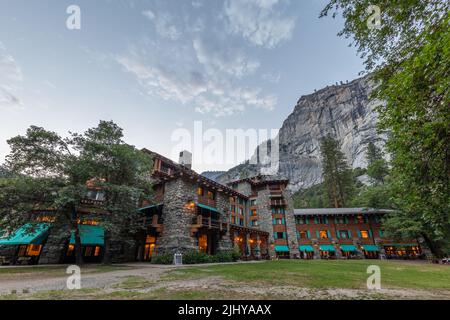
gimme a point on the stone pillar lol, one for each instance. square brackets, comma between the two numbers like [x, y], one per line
[425, 250]
[225, 243]
[58, 238]
[291, 228]
[315, 245]
[379, 244]
[257, 249]
[9, 252]
[337, 249]
[359, 253]
[177, 217]
[265, 218]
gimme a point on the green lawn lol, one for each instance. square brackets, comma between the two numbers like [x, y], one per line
[284, 279]
[327, 274]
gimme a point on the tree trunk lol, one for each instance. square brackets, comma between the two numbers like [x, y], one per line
[435, 250]
[78, 246]
[106, 253]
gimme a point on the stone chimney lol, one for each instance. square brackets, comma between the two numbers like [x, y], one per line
[185, 159]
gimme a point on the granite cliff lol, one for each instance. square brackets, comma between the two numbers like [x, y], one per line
[344, 111]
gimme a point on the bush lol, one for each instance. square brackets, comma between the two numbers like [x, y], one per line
[193, 257]
[236, 254]
[163, 259]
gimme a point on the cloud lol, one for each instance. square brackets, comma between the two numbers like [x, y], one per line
[259, 22]
[164, 24]
[217, 95]
[10, 80]
[274, 77]
[223, 59]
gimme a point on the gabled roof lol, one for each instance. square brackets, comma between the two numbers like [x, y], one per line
[337, 211]
[182, 170]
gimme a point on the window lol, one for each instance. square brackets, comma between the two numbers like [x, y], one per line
[200, 191]
[88, 251]
[360, 218]
[253, 202]
[364, 234]
[302, 234]
[34, 250]
[211, 195]
[254, 213]
[241, 211]
[241, 222]
[278, 221]
[381, 233]
[233, 220]
[323, 234]
[97, 251]
[254, 223]
[233, 208]
[280, 235]
[344, 234]
[96, 195]
[301, 220]
[340, 220]
[241, 201]
[321, 220]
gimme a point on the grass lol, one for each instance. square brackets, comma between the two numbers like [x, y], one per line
[322, 274]
[285, 279]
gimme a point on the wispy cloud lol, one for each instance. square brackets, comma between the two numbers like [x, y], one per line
[164, 24]
[259, 22]
[10, 80]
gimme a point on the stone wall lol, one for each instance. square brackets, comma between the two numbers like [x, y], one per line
[265, 217]
[53, 250]
[223, 204]
[177, 218]
[291, 228]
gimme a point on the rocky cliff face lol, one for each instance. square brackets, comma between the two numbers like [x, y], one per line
[344, 111]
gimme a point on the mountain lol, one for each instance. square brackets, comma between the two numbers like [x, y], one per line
[344, 111]
[213, 175]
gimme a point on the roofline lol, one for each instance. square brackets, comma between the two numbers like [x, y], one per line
[337, 211]
[192, 173]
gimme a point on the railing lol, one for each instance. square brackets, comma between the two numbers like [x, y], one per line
[277, 202]
[202, 221]
[207, 201]
[92, 202]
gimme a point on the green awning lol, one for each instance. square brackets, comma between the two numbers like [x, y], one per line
[306, 248]
[370, 247]
[326, 247]
[281, 248]
[90, 235]
[23, 235]
[348, 247]
[203, 206]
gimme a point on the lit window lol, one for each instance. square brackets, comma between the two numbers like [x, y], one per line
[323, 234]
[254, 212]
[200, 191]
[211, 195]
[97, 251]
[302, 235]
[364, 234]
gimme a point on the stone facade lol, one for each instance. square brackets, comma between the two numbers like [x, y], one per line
[265, 217]
[177, 218]
[53, 250]
[290, 225]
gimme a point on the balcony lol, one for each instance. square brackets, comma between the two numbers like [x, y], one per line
[202, 222]
[277, 202]
[206, 201]
[92, 202]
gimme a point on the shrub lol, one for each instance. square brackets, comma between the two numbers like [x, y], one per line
[163, 259]
[193, 257]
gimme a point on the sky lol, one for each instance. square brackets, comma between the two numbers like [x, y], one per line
[159, 66]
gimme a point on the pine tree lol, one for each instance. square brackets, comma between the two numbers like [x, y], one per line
[377, 167]
[337, 176]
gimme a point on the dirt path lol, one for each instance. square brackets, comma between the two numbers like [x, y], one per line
[35, 282]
